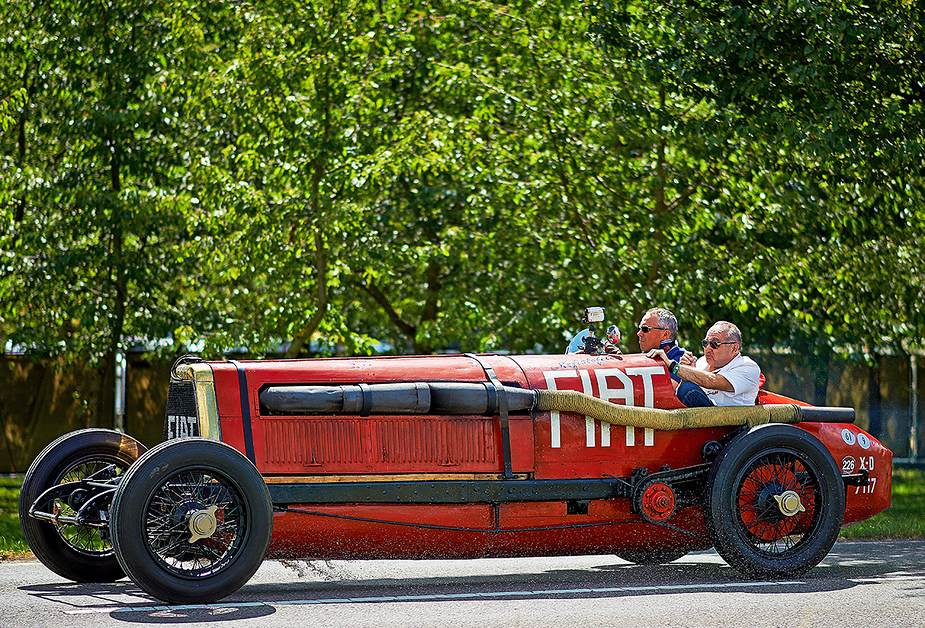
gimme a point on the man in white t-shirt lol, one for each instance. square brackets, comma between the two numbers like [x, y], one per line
[726, 377]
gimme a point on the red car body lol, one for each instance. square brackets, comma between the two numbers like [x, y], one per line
[545, 446]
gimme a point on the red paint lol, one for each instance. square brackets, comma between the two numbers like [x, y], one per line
[544, 448]
[479, 532]
[658, 502]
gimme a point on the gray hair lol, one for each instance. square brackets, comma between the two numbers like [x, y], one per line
[665, 319]
[732, 332]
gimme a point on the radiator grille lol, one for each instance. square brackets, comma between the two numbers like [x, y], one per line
[180, 417]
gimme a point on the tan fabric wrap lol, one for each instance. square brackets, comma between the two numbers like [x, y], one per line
[684, 418]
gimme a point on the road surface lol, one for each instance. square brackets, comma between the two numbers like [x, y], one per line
[864, 584]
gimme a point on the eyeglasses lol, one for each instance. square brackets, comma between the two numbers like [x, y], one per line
[646, 329]
[713, 343]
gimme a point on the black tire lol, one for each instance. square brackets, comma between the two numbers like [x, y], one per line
[763, 536]
[158, 503]
[79, 553]
[651, 557]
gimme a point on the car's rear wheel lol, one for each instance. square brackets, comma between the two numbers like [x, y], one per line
[775, 502]
[82, 553]
[191, 521]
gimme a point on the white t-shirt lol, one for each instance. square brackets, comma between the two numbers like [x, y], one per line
[742, 372]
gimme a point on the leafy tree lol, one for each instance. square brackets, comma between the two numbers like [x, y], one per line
[89, 232]
[816, 121]
[457, 175]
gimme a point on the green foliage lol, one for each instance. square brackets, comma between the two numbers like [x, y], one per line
[92, 221]
[807, 225]
[328, 174]
[9, 105]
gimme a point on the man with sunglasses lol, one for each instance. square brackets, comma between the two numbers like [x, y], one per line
[724, 376]
[658, 329]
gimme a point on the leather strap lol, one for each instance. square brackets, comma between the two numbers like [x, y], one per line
[245, 412]
[501, 398]
[367, 399]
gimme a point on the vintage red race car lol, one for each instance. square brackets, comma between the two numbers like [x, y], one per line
[449, 456]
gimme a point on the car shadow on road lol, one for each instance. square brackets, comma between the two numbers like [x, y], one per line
[123, 600]
[849, 565]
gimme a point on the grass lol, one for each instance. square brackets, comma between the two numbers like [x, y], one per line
[905, 519]
[12, 543]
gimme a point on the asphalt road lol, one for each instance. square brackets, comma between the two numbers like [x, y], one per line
[864, 584]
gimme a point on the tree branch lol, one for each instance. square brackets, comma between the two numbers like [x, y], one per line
[404, 327]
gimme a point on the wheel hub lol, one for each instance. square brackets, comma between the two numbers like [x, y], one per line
[789, 503]
[767, 504]
[658, 502]
[77, 498]
[202, 523]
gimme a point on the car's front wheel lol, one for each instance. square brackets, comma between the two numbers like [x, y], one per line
[191, 521]
[79, 552]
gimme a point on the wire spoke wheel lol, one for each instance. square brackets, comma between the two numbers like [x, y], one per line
[168, 520]
[775, 501]
[87, 540]
[79, 552]
[771, 529]
[191, 521]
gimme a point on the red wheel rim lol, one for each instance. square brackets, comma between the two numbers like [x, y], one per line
[766, 478]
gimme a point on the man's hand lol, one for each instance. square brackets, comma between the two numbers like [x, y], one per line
[658, 354]
[688, 359]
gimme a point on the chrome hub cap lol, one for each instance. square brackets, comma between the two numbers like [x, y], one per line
[789, 503]
[202, 523]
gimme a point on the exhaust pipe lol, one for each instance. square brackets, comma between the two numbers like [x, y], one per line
[443, 398]
[398, 398]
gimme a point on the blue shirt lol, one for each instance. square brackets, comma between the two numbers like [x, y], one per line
[674, 352]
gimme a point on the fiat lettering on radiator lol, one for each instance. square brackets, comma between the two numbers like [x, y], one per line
[179, 426]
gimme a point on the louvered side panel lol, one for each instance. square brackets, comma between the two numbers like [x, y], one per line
[465, 443]
[312, 444]
[379, 445]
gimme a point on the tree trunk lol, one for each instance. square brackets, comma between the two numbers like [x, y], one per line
[321, 255]
[106, 405]
[821, 369]
[874, 398]
[321, 263]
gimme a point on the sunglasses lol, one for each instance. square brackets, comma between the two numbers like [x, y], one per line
[713, 343]
[646, 329]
